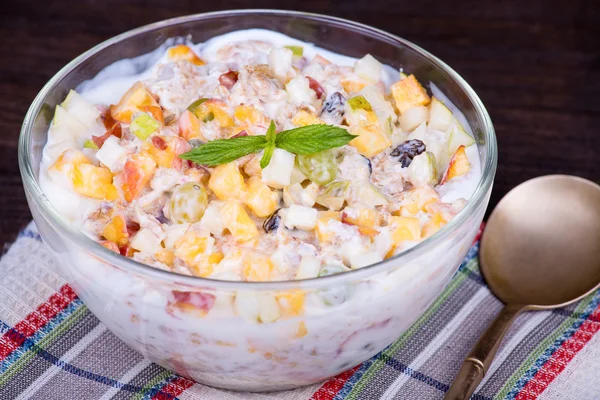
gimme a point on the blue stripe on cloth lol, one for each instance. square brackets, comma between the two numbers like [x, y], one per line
[36, 337]
[156, 390]
[552, 349]
[345, 390]
[70, 368]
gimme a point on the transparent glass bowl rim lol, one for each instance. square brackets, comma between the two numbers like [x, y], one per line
[75, 235]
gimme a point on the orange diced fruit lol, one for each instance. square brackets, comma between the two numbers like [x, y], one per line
[136, 174]
[226, 181]
[322, 230]
[116, 231]
[371, 140]
[303, 118]
[214, 109]
[257, 267]
[362, 216]
[94, 182]
[291, 303]
[236, 220]
[404, 228]
[189, 126]
[205, 264]
[136, 98]
[192, 246]
[459, 165]
[436, 223]
[408, 93]
[352, 86]
[250, 116]
[183, 52]
[260, 198]
[166, 257]
[165, 149]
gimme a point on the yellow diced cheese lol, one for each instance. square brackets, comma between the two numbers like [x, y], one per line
[226, 181]
[409, 93]
[237, 222]
[257, 267]
[371, 140]
[260, 198]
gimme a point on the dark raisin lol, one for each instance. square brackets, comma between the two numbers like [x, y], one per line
[272, 223]
[334, 106]
[368, 164]
[160, 217]
[407, 151]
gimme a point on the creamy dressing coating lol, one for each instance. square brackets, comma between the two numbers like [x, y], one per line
[109, 85]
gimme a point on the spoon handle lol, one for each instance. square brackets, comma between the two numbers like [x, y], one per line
[477, 363]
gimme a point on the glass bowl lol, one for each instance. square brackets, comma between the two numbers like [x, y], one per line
[322, 326]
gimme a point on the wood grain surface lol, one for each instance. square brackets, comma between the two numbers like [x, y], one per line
[535, 64]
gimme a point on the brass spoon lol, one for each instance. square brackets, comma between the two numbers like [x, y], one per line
[540, 250]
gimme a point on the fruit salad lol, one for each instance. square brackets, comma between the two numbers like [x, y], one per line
[303, 215]
[255, 157]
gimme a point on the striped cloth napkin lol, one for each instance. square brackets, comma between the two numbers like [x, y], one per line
[52, 347]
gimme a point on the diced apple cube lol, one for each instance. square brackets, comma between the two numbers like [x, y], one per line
[212, 218]
[458, 137]
[430, 227]
[323, 229]
[422, 170]
[189, 126]
[368, 68]
[237, 222]
[112, 154]
[226, 181]
[145, 240]
[280, 62]
[174, 233]
[365, 259]
[131, 102]
[409, 93]
[78, 107]
[440, 116]
[413, 117]
[370, 141]
[214, 109]
[143, 125]
[309, 268]
[65, 126]
[279, 171]
[299, 217]
[260, 198]
[299, 91]
[459, 165]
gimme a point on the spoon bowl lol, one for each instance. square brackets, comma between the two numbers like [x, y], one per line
[540, 250]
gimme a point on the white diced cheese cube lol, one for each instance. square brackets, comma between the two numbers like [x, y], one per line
[368, 68]
[365, 259]
[145, 240]
[309, 268]
[299, 91]
[299, 217]
[280, 62]
[112, 154]
[212, 218]
[279, 171]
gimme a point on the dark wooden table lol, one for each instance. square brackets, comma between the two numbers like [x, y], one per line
[535, 64]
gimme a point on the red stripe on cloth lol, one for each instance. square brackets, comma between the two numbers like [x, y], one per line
[173, 389]
[25, 328]
[561, 358]
[330, 388]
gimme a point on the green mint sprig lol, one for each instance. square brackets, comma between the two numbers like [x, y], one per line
[305, 140]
